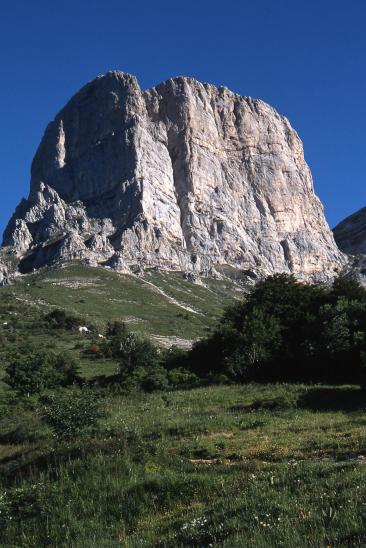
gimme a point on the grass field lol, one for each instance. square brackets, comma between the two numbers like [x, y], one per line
[274, 465]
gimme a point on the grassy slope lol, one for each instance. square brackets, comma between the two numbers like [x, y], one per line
[159, 303]
[232, 466]
[162, 305]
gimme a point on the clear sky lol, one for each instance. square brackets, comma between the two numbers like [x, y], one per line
[304, 57]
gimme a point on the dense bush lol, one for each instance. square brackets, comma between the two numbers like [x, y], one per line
[289, 330]
[60, 319]
[32, 371]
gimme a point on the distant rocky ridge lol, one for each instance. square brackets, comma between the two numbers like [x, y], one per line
[183, 176]
[350, 234]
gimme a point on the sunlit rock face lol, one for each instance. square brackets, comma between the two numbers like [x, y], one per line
[183, 176]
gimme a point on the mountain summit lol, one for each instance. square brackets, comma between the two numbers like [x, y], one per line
[184, 176]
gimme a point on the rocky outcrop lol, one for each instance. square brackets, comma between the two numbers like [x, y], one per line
[3, 275]
[350, 234]
[182, 176]
[8, 270]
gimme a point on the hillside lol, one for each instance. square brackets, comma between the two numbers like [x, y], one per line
[161, 305]
[126, 457]
[158, 303]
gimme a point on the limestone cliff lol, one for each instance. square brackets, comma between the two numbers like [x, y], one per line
[182, 176]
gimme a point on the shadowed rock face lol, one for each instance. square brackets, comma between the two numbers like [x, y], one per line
[182, 176]
[350, 234]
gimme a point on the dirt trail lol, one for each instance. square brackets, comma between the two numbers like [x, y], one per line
[171, 299]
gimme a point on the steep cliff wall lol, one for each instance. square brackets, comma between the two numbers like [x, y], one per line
[182, 176]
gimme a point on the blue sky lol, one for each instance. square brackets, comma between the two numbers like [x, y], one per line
[306, 58]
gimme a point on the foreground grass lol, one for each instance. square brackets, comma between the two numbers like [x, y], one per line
[253, 465]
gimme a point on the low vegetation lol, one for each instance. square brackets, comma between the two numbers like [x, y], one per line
[160, 303]
[254, 465]
[254, 437]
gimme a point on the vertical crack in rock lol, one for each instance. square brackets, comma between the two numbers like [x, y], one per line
[182, 184]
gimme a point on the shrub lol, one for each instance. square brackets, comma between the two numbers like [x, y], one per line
[33, 371]
[136, 352]
[182, 378]
[155, 379]
[142, 365]
[72, 412]
[59, 319]
[132, 352]
[174, 357]
[116, 329]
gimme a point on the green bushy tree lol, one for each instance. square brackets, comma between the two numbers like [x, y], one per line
[289, 330]
[33, 371]
[139, 360]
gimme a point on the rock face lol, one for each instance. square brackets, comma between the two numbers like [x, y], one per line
[182, 176]
[350, 234]
[3, 275]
